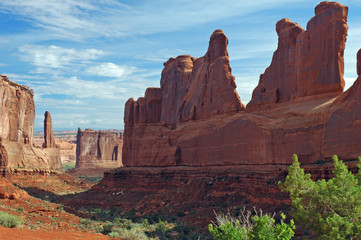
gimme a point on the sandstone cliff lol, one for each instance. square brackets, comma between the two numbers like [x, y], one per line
[306, 62]
[16, 129]
[191, 89]
[230, 158]
[98, 149]
[197, 119]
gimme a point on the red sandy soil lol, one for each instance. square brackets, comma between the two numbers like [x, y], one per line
[17, 234]
[42, 219]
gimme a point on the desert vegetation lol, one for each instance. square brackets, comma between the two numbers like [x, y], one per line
[248, 226]
[330, 209]
[9, 220]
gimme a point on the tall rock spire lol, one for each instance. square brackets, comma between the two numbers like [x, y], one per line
[49, 140]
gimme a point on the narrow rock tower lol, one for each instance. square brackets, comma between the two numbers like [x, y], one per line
[49, 140]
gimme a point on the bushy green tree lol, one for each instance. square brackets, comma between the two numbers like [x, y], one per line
[247, 227]
[332, 208]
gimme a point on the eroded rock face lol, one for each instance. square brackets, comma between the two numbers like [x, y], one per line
[4, 158]
[191, 89]
[97, 149]
[201, 122]
[307, 62]
[16, 129]
[49, 140]
[343, 128]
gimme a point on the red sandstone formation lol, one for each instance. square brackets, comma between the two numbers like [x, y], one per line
[16, 129]
[191, 89]
[306, 62]
[236, 159]
[98, 149]
[184, 121]
[49, 140]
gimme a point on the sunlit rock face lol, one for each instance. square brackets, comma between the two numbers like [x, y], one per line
[97, 149]
[197, 119]
[16, 129]
[306, 62]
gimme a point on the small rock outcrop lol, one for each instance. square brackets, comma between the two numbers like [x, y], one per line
[98, 149]
[307, 62]
[49, 140]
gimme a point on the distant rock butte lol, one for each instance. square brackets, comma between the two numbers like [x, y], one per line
[98, 149]
[16, 130]
[197, 119]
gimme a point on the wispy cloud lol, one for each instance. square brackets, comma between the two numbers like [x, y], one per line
[111, 70]
[82, 19]
[67, 18]
[57, 57]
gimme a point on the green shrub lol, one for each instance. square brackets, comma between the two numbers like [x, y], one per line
[20, 209]
[129, 234]
[332, 208]
[67, 166]
[8, 220]
[257, 227]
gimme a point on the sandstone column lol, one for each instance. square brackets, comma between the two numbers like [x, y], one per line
[49, 140]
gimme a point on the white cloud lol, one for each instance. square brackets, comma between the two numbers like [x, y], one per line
[52, 56]
[83, 19]
[111, 70]
[66, 18]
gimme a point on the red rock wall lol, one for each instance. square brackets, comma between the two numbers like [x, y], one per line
[306, 62]
[17, 112]
[97, 149]
[191, 89]
[204, 124]
[16, 130]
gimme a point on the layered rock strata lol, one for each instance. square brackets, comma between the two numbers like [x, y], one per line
[98, 149]
[197, 119]
[235, 158]
[16, 130]
[306, 62]
[192, 89]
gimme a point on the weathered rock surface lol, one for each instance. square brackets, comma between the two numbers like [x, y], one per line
[49, 140]
[16, 129]
[191, 89]
[306, 62]
[203, 125]
[220, 161]
[98, 149]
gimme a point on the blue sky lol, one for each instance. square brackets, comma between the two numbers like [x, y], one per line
[85, 58]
